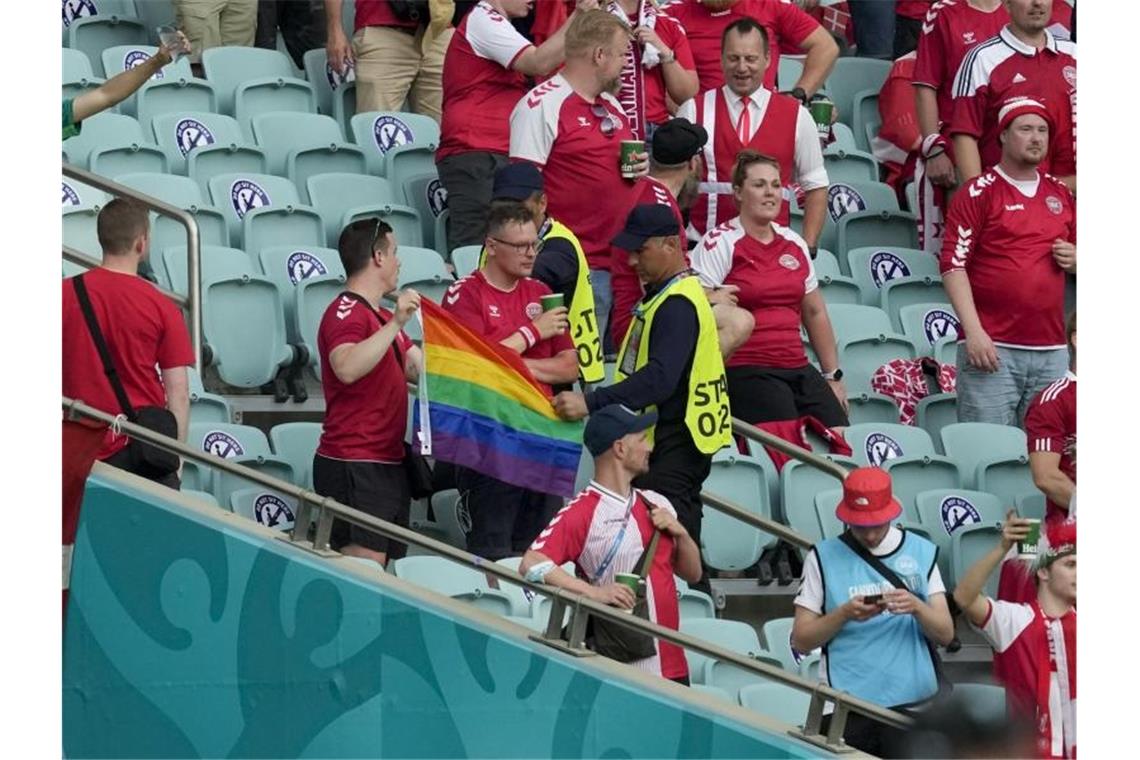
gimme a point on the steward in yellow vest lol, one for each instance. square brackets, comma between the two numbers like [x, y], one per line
[670, 361]
[561, 264]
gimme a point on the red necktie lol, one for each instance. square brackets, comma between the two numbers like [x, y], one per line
[744, 124]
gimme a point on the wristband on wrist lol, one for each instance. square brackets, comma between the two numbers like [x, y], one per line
[669, 57]
[528, 335]
[933, 145]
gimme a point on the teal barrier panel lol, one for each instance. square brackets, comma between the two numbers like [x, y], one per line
[193, 633]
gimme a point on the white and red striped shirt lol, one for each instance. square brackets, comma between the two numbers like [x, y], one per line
[584, 532]
[1051, 426]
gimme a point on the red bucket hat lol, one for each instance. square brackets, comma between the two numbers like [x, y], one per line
[867, 499]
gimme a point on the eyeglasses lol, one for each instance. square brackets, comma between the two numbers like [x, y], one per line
[518, 247]
[609, 123]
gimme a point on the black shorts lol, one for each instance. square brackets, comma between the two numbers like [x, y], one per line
[504, 519]
[769, 394]
[377, 489]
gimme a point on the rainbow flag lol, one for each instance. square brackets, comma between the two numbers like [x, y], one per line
[485, 410]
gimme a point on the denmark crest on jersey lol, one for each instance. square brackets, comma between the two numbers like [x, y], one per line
[788, 261]
[1053, 203]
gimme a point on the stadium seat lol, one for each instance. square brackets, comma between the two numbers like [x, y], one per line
[299, 145]
[809, 667]
[203, 496]
[835, 288]
[265, 210]
[403, 220]
[79, 230]
[778, 641]
[466, 260]
[944, 512]
[323, 78]
[203, 145]
[867, 120]
[866, 342]
[884, 227]
[1031, 505]
[825, 503]
[692, 603]
[731, 678]
[728, 544]
[176, 190]
[378, 132]
[78, 195]
[979, 445]
[166, 232]
[113, 161]
[850, 77]
[520, 602]
[825, 262]
[842, 137]
[799, 483]
[217, 262]
[845, 198]
[1007, 479]
[287, 265]
[844, 165]
[113, 24]
[296, 442]
[789, 71]
[869, 407]
[101, 132]
[119, 58]
[452, 579]
[241, 444]
[76, 66]
[908, 454]
[935, 412]
[986, 698]
[908, 291]
[265, 507]
[927, 324]
[730, 634]
[967, 546]
[243, 322]
[336, 196]
[713, 691]
[70, 269]
[427, 195]
[777, 701]
[872, 267]
[424, 270]
[178, 95]
[233, 68]
[312, 297]
[206, 407]
[153, 14]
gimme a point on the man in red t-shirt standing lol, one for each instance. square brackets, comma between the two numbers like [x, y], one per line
[484, 75]
[503, 303]
[366, 362]
[790, 30]
[142, 328]
[1010, 239]
[572, 128]
[607, 528]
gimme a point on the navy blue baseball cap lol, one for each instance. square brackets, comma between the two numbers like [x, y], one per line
[517, 182]
[612, 423]
[646, 221]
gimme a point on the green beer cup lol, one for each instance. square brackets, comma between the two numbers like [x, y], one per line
[552, 301]
[628, 149]
[1028, 547]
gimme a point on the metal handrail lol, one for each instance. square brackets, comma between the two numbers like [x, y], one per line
[90, 262]
[579, 606]
[193, 244]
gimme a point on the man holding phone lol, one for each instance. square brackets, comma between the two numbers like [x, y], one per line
[882, 609]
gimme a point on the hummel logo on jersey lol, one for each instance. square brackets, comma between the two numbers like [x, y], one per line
[1018, 79]
[968, 38]
[494, 310]
[962, 247]
[583, 121]
[536, 94]
[981, 183]
[1015, 207]
[344, 308]
[662, 196]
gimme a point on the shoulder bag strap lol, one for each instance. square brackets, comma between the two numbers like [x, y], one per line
[101, 346]
[873, 561]
[647, 562]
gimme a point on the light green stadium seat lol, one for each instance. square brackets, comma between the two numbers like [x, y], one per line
[76, 66]
[70, 269]
[866, 118]
[771, 474]
[934, 413]
[344, 105]
[809, 667]
[241, 444]
[714, 691]
[113, 25]
[427, 195]
[967, 546]
[166, 232]
[102, 131]
[265, 507]
[113, 161]
[825, 502]
[404, 221]
[844, 165]
[466, 259]
[300, 145]
[402, 163]
[243, 322]
[837, 289]
[264, 210]
[851, 76]
[728, 544]
[986, 698]
[452, 579]
[119, 58]
[378, 132]
[844, 198]
[323, 78]
[866, 407]
[335, 195]
[911, 192]
[171, 188]
[287, 265]
[874, 266]
[450, 516]
[778, 641]
[79, 195]
[178, 95]
[927, 324]
[946, 511]
[424, 270]
[1006, 479]
[692, 603]
[777, 701]
[296, 442]
[153, 14]
[730, 634]
[204, 406]
[1031, 504]
[731, 678]
[202, 145]
[520, 602]
[825, 262]
[977, 445]
[875, 445]
[908, 291]
[799, 483]
[312, 297]
[886, 228]
[217, 262]
[843, 138]
[911, 476]
[204, 496]
[277, 95]
[232, 67]
[79, 231]
[866, 342]
[789, 71]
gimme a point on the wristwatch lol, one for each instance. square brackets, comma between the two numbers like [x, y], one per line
[835, 374]
[668, 59]
[799, 94]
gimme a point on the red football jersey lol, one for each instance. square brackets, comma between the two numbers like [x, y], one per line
[584, 531]
[915, 9]
[495, 314]
[788, 26]
[896, 145]
[1051, 425]
[479, 87]
[773, 279]
[1001, 234]
[1003, 68]
[557, 129]
[627, 288]
[365, 420]
[144, 333]
[642, 90]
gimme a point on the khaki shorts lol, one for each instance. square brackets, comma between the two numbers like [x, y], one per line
[392, 66]
[214, 23]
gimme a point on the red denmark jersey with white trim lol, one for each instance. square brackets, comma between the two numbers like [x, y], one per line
[555, 128]
[627, 289]
[1051, 426]
[584, 531]
[775, 137]
[1003, 68]
[479, 87]
[773, 279]
[787, 26]
[1003, 240]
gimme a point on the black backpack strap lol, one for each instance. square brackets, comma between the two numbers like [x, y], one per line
[101, 346]
[879, 566]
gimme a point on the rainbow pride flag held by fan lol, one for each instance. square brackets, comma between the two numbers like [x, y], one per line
[485, 410]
